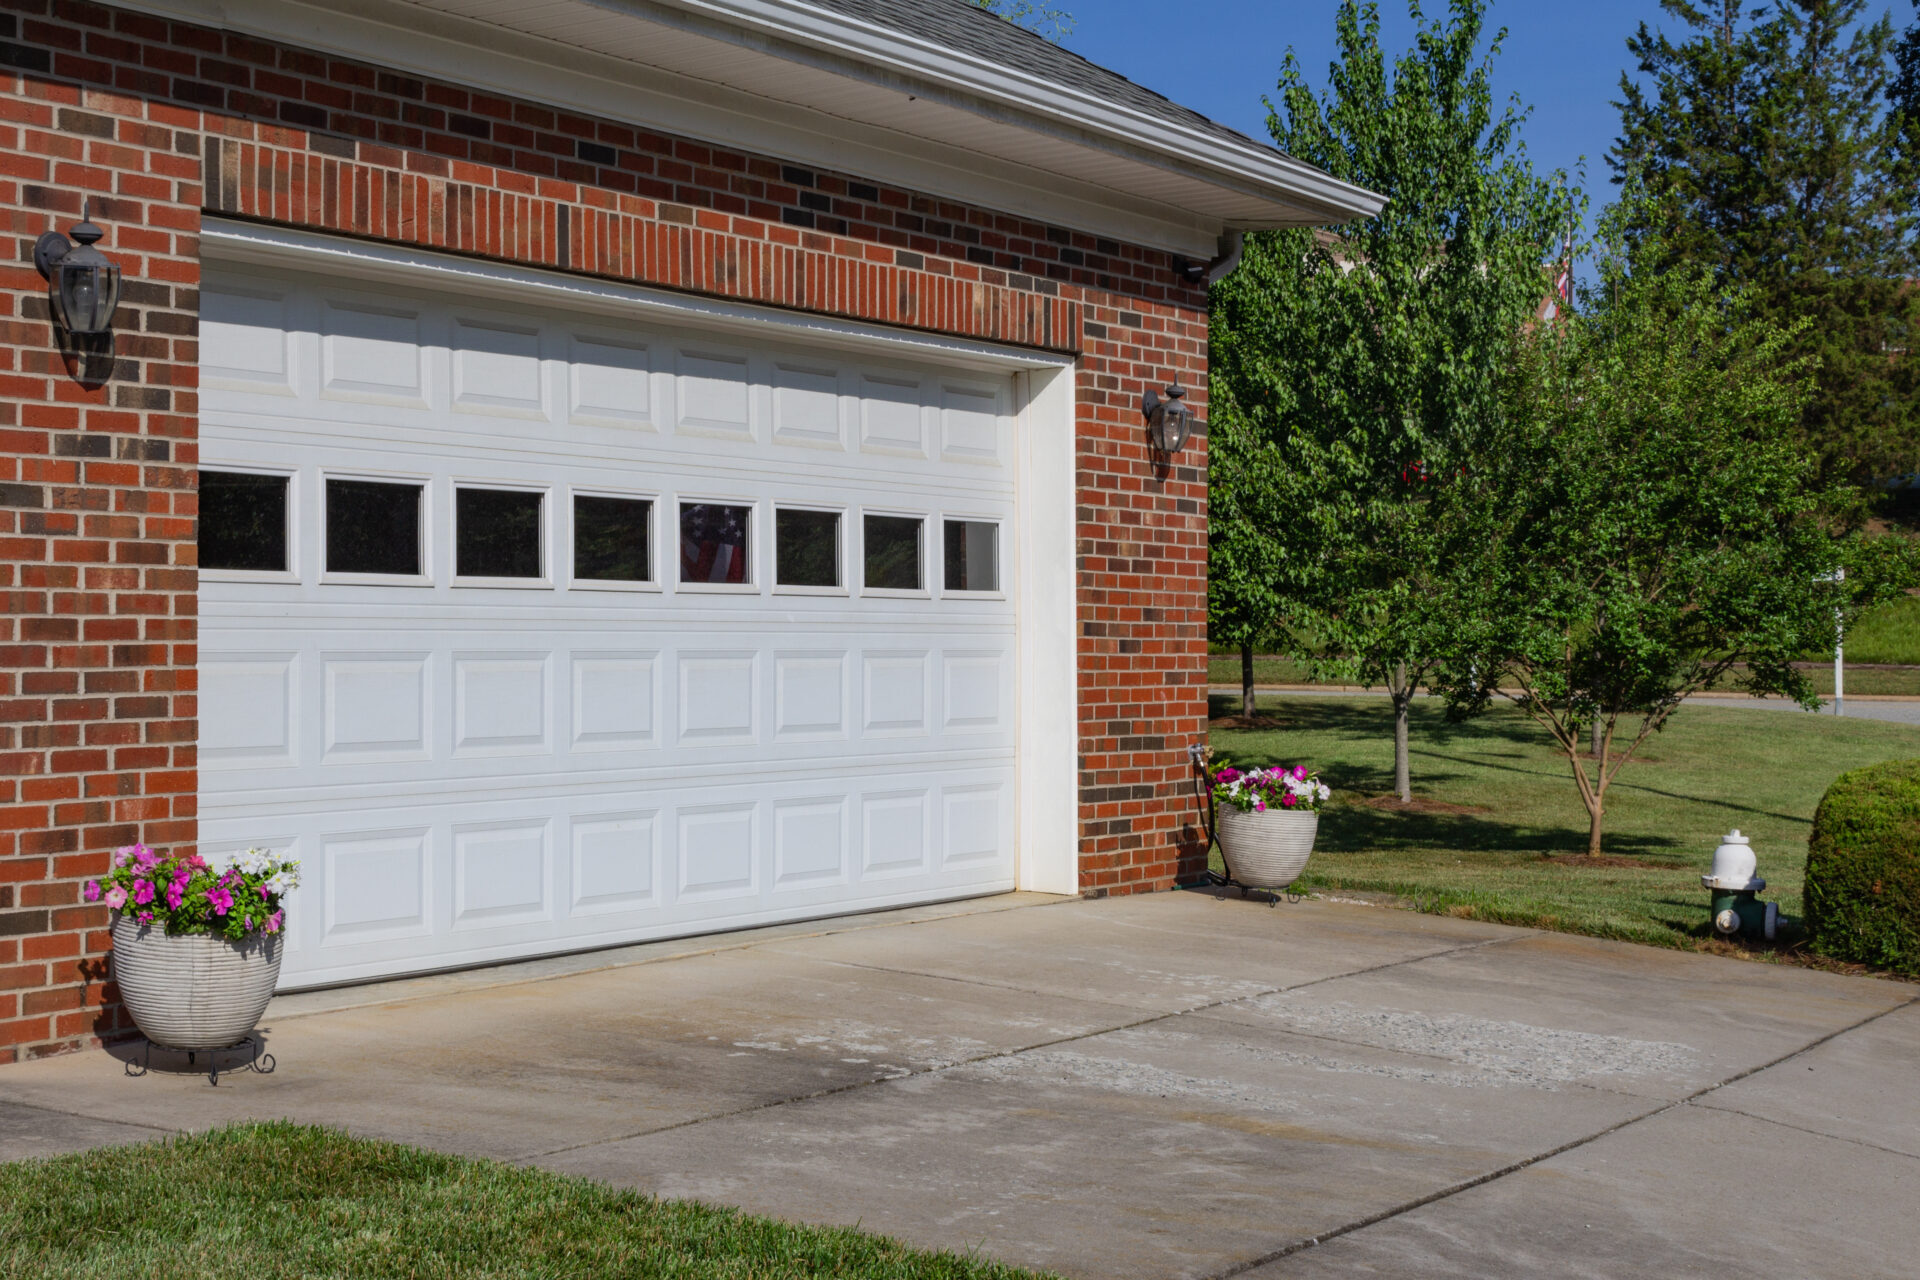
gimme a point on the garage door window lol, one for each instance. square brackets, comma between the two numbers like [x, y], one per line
[497, 533]
[612, 540]
[806, 549]
[973, 555]
[243, 521]
[893, 553]
[373, 526]
[713, 544]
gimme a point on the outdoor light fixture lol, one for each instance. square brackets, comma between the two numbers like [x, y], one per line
[1169, 420]
[83, 282]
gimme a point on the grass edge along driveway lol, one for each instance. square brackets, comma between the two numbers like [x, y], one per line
[283, 1200]
[1497, 831]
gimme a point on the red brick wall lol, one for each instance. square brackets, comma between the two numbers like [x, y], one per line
[157, 121]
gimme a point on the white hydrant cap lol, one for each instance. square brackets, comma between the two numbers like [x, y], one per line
[1734, 865]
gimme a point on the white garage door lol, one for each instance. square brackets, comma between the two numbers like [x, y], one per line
[528, 631]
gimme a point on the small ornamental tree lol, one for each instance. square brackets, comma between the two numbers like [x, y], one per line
[1353, 366]
[1643, 523]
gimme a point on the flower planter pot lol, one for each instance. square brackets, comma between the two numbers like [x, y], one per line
[1266, 850]
[192, 991]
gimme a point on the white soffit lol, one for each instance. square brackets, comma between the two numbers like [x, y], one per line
[815, 87]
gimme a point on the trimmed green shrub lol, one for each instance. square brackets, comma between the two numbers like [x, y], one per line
[1863, 868]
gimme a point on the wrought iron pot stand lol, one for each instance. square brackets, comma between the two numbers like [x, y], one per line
[256, 1059]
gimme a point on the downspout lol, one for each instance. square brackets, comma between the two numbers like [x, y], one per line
[1232, 244]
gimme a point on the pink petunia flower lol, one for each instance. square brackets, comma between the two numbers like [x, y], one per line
[1288, 800]
[142, 892]
[146, 917]
[1300, 771]
[92, 892]
[116, 897]
[275, 920]
[221, 900]
[176, 894]
[144, 856]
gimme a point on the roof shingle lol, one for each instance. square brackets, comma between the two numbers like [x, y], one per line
[965, 26]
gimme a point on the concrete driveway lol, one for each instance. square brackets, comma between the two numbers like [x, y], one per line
[1173, 1085]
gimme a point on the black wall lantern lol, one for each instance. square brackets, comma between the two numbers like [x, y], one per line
[84, 282]
[1169, 420]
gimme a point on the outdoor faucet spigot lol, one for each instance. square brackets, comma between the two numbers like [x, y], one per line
[1733, 884]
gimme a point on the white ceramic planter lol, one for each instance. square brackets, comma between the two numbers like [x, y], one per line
[1266, 850]
[192, 991]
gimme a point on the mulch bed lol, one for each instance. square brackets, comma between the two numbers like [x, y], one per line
[1248, 722]
[1392, 803]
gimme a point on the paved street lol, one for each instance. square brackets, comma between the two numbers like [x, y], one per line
[1898, 710]
[1175, 1085]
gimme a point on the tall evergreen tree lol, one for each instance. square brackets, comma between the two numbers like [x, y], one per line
[1764, 144]
[1351, 368]
[1905, 94]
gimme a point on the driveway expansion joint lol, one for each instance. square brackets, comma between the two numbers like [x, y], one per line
[1446, 1193]
[943, 1067]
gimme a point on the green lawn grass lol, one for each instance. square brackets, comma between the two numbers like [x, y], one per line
[1712, 769]
[1889, 633]
[284, 1200]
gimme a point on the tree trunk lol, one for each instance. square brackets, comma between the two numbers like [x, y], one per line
[1402, 699]
[1246, 680]
[1593, 739]
[1595, 812]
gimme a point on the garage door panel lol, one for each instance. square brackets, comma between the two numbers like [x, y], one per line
[478, 770]
[615, 862]
[610, 383]
[616, 696]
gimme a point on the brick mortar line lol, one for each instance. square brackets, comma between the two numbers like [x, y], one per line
[1445, 1193]
[942, 1068]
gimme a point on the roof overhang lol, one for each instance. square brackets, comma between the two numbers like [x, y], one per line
[816, 86]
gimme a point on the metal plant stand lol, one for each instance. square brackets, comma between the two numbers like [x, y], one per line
[257, 1059]
[1203, 801]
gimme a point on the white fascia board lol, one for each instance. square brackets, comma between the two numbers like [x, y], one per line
[969, 81]
[257, 244]
[435, 45]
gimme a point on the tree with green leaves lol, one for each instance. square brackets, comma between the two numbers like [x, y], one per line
[1035, 15]
[1641, 522]
[1353, 367]
[1768, 142]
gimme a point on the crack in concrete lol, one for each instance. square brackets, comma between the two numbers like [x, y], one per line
[1481, 1180]
[82, 1115]
[1800, 1128]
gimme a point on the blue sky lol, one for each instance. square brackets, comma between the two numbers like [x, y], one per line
[1220, 57]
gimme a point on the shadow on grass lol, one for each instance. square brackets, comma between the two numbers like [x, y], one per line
[1356, 829]
[1370, 714]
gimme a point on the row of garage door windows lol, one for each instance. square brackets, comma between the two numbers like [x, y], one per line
[373, 527]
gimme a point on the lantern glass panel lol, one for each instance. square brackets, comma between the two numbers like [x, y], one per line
[88, 294]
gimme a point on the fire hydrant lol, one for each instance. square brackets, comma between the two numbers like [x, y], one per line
[1735, 909]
